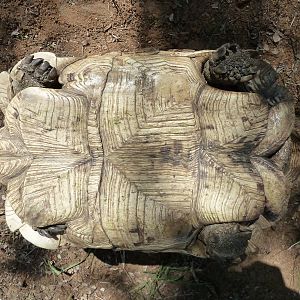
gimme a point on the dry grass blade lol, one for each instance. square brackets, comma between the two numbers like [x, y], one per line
[63, 270]
[166, 275]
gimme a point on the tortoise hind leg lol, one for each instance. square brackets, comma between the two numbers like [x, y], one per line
[225, 241]
[230, 67]
[233, 68]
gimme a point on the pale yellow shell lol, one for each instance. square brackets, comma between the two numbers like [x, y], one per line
[136, 151]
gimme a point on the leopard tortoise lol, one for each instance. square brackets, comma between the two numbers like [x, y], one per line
[178, 151]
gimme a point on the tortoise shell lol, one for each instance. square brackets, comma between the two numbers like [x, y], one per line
[136, 151]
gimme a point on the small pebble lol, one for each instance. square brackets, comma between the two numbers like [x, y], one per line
[238, 76]
[275, 51]
[276, 37]
[85, 43]
[171, 17]
[266, 47]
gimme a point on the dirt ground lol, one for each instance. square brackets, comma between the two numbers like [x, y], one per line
[82, 27]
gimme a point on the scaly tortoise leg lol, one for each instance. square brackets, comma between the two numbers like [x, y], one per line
[233, 68]
[225, 241]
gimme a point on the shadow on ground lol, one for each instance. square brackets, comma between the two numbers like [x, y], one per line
[7, 55]
[195, 277]
[204, 24]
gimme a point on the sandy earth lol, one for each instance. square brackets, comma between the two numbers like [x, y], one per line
[85, 27]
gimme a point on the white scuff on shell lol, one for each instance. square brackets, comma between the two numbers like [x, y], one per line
[38, 240]
[15, 223]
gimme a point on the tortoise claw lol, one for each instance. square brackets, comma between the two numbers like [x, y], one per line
[226, 50]
[52, 75]
[28, 59]
[35, 62]
[44, 66]
[221, 52]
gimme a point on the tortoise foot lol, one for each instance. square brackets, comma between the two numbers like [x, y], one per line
[234, 69]
[226, 241]
[230, 67]
[52, 231]
[38, 72]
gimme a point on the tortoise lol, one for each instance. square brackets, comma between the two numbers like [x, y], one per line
[166, 151]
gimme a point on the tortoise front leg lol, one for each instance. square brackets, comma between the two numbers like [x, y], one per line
[39, 71]
[35, 72]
